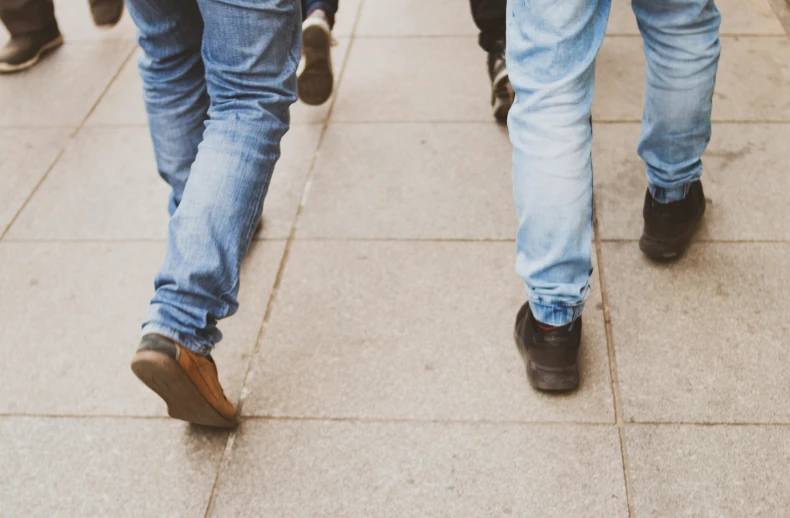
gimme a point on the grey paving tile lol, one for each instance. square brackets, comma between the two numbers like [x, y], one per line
[737, 17]
[745, 182]
[412, 181]
[305, 114]
[288, 183]
[62, 89]
[25, 157]
[710, 471]
[703, 340]
[337, 469]
[55, 467]
[447, 81]
[346, 17]
[105, 186]
[754, 76]
[123, 102]
[416, 18]
[76, 24]
[410, 330]
[72, 314]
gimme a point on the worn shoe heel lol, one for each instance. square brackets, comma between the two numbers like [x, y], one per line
[659, 250]
[316, 81]
[544, 378]
[184, 401]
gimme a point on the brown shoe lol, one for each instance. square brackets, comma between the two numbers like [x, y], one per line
[186, 381]
[106, 13]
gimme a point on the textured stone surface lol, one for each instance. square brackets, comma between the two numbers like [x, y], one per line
[348, 469]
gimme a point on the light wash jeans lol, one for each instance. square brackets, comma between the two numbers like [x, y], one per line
[551, 50]
[218, 81]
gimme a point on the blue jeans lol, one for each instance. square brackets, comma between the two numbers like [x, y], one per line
[551, 50]
[218, 81]
[329, 6]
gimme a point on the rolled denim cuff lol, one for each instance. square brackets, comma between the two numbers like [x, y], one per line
[180, 338]
[663, 195]
[328, 7]
[555, 314]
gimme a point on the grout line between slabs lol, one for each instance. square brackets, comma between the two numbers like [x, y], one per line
[71, 137]
[616, 396]
[226, 454]
[401, 420]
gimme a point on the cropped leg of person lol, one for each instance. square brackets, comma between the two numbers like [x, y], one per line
[489, 16]
[551, 51]
[217, 91]
[681, 42]
[33, 29]
[316, 79]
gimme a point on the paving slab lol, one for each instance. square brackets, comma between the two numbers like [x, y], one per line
[105, 186]
[411, 330]
[753, 78]
[702, 340]
[64, 467]
[339, 469]
[741, 17]
[64, 86]
[74, 311]
[385, 18]
[412, 181]
[447, 81]
[25, 157]
[745, 180]
[710, 471]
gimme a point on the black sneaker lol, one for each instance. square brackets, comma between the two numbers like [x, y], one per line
[669, 226]
[314, 77]
[24, 51]
[502, 95]
[550, 356]
[106, 13]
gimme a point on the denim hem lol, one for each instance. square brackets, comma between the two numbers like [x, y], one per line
[181, 338]
[558, 314]
[664, 195]
[328, 8]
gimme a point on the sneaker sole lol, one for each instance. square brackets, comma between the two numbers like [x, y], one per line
[552, 380]
[663, 251]
[184, 401]
[316, 81]
[5, 68]
[502, 96]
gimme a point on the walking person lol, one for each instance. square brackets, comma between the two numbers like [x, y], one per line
[489, 16]
[34, 30]
[551, 49]
[218, 81]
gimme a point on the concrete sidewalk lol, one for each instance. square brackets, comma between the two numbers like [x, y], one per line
[373, 351]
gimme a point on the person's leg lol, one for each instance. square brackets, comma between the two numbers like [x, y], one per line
[174, 85]
[33, 30]
[330, 7]
[489, 16]
[250, 80]
[681, 41]
[551, 50]
[316, 79]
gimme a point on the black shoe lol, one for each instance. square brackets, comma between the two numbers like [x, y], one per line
[314, 78]
[502, 95]
[106, 13]
[669, 226]
[551, 355]
[23, 51]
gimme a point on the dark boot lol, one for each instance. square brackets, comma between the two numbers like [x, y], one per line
[23, 51]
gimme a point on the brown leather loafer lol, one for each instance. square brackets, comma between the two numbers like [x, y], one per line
[186, 381]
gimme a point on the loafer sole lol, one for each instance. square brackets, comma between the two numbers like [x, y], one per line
[184, 401]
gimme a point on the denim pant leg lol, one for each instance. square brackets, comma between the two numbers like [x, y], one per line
[170, 33]
[682, 50]
[329, 6]
[551, 50]
[250, 53]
